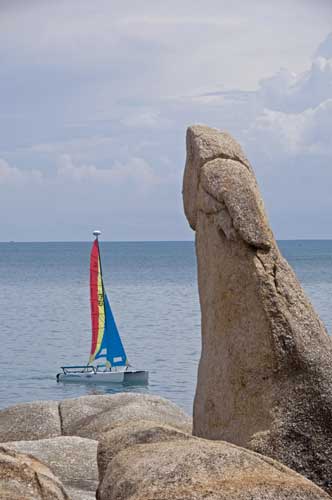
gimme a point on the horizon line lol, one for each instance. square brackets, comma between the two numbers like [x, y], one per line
[143, 241]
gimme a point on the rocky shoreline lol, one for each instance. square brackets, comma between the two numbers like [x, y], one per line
[129, 446]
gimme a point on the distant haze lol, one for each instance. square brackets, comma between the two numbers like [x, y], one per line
[96, 98]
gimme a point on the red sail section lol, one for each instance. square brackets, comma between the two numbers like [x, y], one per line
[97, 301]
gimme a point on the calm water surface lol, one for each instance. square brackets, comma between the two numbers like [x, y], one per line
[45, 315]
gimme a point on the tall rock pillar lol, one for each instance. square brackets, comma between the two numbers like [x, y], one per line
[265, 373]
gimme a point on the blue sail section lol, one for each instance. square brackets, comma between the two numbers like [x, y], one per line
[111, 347]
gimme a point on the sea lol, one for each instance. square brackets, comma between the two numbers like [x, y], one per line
[152, 287]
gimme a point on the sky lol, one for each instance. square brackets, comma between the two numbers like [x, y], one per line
[96, 98]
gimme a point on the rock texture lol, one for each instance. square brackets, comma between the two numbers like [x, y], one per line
[58, 434]
[130, 434]
[35, 420]
[265, 373]
[72, 459]
[92, 416]
[196, 469]
[144, 452]
[24, 478]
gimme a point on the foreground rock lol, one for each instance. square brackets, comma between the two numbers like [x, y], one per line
[265, 374]
[195, 469]
[35, 420]
[92, 416]
[72, 459]
[144, 452]
[25, 478]
[125, 436]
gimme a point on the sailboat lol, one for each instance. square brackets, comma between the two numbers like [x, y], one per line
[106, 342]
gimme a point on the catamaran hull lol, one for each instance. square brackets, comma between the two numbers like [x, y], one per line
[131, 377]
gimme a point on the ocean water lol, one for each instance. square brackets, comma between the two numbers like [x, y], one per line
[45, 312]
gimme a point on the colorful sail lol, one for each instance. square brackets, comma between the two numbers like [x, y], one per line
[111, 346]
[97, 301]
[106, 341]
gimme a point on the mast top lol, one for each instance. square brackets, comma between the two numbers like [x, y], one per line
[96, 233]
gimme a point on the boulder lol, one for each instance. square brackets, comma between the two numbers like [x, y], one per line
[91, 416]
[265, 373]
[72, 459]
[140, 432]
[25, 478]
[196, 469]
[28, 421]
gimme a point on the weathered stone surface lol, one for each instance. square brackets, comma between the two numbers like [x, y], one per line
[265, 373]
[91, 416]
[25, 478]
[197, 469]
[201, 149]
[234, 187]
[36, 420]
[72, 459]
[141, 432]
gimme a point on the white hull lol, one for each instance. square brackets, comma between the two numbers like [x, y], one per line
[111, 377]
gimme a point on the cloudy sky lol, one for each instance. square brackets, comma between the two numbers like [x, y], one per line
[96, 98]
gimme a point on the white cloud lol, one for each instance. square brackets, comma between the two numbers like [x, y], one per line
[289, 114]
[288, 92]
[97, 98]
[143, 119]
[325, 48]
[72, 145]
[10, 175]
[297, 114]
[174, 46]
[317, 133]
[137, 170]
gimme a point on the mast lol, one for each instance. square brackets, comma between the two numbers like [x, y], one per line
[97, 233]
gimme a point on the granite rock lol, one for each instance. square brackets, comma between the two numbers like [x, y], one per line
[28, 421]
[201, 149]
[72, 459]
[265, 373]
[23, 477]
[140, 432]
[91, 416]
[196, 469]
